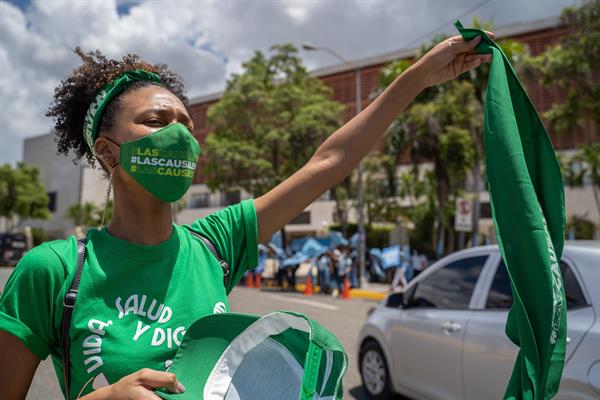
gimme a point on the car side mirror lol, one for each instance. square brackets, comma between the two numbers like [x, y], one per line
[395, 300]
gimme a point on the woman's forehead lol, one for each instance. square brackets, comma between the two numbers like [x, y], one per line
[149, 98]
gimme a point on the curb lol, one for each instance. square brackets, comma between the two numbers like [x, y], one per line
[354, 293]
[366, 294]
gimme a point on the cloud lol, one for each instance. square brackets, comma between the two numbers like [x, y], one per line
[204, 41]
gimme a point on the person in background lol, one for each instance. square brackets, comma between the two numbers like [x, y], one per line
[374, 268]
[416, 262]
[344, 267]
[354, 260]
[409, 272]
[401, 273]
[324, 267]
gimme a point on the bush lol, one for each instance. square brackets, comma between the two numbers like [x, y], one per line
[583, 227]
[39, 236]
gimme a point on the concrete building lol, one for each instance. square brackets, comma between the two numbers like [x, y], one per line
[66, 183]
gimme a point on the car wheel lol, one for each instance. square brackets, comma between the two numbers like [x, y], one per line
[374, 372]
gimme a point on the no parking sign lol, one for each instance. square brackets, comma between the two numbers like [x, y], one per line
[463, 215]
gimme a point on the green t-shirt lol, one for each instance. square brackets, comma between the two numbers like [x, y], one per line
[134, 302]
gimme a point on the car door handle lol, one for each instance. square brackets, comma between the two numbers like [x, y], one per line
[451, 327]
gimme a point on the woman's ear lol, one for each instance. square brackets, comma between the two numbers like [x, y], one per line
[103, 149]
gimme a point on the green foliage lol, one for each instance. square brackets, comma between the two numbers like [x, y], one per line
[268, 123]
[572, 65]
[89, 214]
[21, 192]
[39, 236]
[380, 201]
[458, 153]
[378, 235]
[589, 155]
[571, 171]
[583, 166]
[582, 227]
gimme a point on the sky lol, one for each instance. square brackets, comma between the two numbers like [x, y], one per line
[207, 41]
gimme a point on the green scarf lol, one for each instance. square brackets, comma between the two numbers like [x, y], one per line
[105, 95]
[528, 208]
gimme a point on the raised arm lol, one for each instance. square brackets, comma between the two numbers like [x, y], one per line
[342, 151]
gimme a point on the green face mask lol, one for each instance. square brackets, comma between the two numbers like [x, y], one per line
[163, 162]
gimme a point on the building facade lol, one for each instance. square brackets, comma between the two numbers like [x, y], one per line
[67, 184]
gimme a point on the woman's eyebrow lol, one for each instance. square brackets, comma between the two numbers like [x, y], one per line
[163, 110]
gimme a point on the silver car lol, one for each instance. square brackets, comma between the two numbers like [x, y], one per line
[443, 336]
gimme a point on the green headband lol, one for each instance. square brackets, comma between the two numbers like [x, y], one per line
[105, 95]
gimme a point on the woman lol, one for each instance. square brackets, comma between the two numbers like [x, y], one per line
[146, 279]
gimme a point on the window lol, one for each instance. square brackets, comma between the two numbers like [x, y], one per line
[450, 287]
[52, 201]
[302, 218]
[485, 210]
[230, 198]
[500, 296]
[200, 200]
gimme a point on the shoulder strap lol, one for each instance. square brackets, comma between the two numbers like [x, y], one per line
[215, 253]
[68, 305]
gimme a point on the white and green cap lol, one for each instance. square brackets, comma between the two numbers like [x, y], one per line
[282, 355]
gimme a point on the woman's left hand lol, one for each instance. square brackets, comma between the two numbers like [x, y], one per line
[451, 58]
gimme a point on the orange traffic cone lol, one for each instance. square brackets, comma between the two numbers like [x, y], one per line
[346, 289]
[257, 280]
[249, 282]
[308, 289]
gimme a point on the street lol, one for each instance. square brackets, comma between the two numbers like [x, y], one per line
[343, 317]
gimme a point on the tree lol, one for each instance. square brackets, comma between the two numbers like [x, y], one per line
[444, 125]
[580, 227]
[572, 65]
[268, 123]
[381, 203]
[437, 128]
[22, 194]
[587, 162]
[89, 214]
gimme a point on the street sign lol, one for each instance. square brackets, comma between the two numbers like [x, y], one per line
[463, 215]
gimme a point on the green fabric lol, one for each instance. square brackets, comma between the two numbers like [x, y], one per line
[163, 162]
[527, 201]
[203, 344]
[135, 302]
[105, 95]
[209, 337]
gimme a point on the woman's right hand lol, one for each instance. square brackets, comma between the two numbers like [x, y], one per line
[139, 385]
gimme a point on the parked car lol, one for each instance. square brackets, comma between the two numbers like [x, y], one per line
[443, 336]
[12, 247]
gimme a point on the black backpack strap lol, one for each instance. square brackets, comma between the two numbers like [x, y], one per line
[68, 305]
[215, 253]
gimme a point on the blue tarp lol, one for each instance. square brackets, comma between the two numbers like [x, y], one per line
[295, 260]
[391, 257]
[312, 248]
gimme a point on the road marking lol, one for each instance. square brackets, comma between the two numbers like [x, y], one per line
[305, 302]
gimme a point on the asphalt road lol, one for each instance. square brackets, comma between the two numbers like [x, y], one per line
[343, 317]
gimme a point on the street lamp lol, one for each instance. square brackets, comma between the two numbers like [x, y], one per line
[359, 170]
